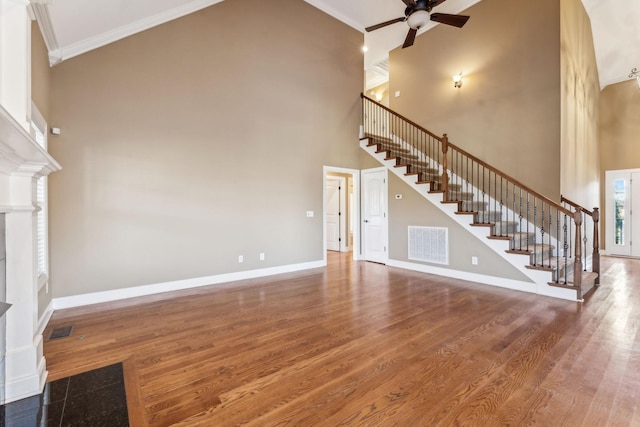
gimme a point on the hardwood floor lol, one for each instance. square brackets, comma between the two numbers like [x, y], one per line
[363, 344]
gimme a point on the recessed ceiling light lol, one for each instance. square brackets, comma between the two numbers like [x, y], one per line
[365, 49]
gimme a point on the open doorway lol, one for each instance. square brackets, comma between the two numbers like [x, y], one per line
[341, 213]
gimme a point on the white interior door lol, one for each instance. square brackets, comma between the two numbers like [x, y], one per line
[336, 229]
[374, 215]
[622, 198]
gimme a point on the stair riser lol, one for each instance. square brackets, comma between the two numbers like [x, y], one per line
[488, 216]
[503, 228]
[453, 187]
[470, 206]
[459, 195]
[425, 170]
[393, 147]
[522, 242]
[541, 256]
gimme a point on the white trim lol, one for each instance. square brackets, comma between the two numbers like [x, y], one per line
[319, 4]
[138, 291]
[343, 242]
[43, 17]
[355, 175]
[21, 152]
[86, 45]
[529, 287]
[44, 319]
[464, 275]
[21, 359]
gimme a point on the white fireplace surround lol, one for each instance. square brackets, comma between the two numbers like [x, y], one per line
[22, 162]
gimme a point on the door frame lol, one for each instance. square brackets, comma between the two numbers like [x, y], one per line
[355, 212]
[385, 221]
[608, 220]
[344, 214]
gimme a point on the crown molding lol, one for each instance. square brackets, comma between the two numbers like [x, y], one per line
[40, 9]
[75, 49]
[319, 4]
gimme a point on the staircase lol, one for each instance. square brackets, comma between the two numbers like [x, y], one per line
[544, 239]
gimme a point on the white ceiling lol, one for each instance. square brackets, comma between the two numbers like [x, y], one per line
[73, 27]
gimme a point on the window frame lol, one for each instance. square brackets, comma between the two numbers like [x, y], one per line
[41, 203]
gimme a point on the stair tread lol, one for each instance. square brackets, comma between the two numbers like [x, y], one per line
[532, 247]
[587, 276]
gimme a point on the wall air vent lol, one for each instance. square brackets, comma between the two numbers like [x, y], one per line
[429, 244]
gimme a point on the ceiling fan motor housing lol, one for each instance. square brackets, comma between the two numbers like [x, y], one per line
[418, 16]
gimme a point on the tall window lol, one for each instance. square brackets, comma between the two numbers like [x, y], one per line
[39, 131]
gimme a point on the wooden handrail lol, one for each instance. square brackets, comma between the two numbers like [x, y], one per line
[474, 158]
[363, 96]
[575, 205]
[447, 145]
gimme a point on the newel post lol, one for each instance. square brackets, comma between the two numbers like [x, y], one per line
[577, 262]
[444, 180]
[595, 260]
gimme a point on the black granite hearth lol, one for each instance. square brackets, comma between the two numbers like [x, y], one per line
[95, 398]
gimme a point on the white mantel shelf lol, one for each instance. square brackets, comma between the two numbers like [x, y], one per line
[19, 152]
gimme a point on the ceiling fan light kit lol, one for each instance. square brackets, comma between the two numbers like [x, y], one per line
[418, 19]
[418, 14]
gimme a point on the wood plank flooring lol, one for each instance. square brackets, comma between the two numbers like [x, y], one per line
[363, 344]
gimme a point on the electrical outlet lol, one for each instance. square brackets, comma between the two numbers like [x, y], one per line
[240, 258]
[261, 256]
[474, 260]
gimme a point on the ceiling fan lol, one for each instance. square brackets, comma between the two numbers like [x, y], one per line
[418, 14]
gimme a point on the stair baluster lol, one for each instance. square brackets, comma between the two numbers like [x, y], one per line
[506, 205]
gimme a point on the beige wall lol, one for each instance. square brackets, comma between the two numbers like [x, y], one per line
[620, 126]
[508, 109]
[382, 90]
[413, 209]
[619, 134]
[40, 72]
[580, 171]
[203, 139]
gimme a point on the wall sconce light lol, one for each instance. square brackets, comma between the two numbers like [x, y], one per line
[635, 73]
[379, 96]
[457, 80]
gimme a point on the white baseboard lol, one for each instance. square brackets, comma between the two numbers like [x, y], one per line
[464, 275]
[517, 285]
[21, 381]
[177, 285]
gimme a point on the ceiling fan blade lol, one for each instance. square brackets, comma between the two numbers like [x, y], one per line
[384, 24]
[445, 18]
[409, 2]
[411, 36]
[434, 3]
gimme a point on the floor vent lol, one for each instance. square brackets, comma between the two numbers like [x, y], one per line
[62, 332]
[429, 244]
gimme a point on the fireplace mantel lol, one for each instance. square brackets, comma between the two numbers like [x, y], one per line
[19, 152]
